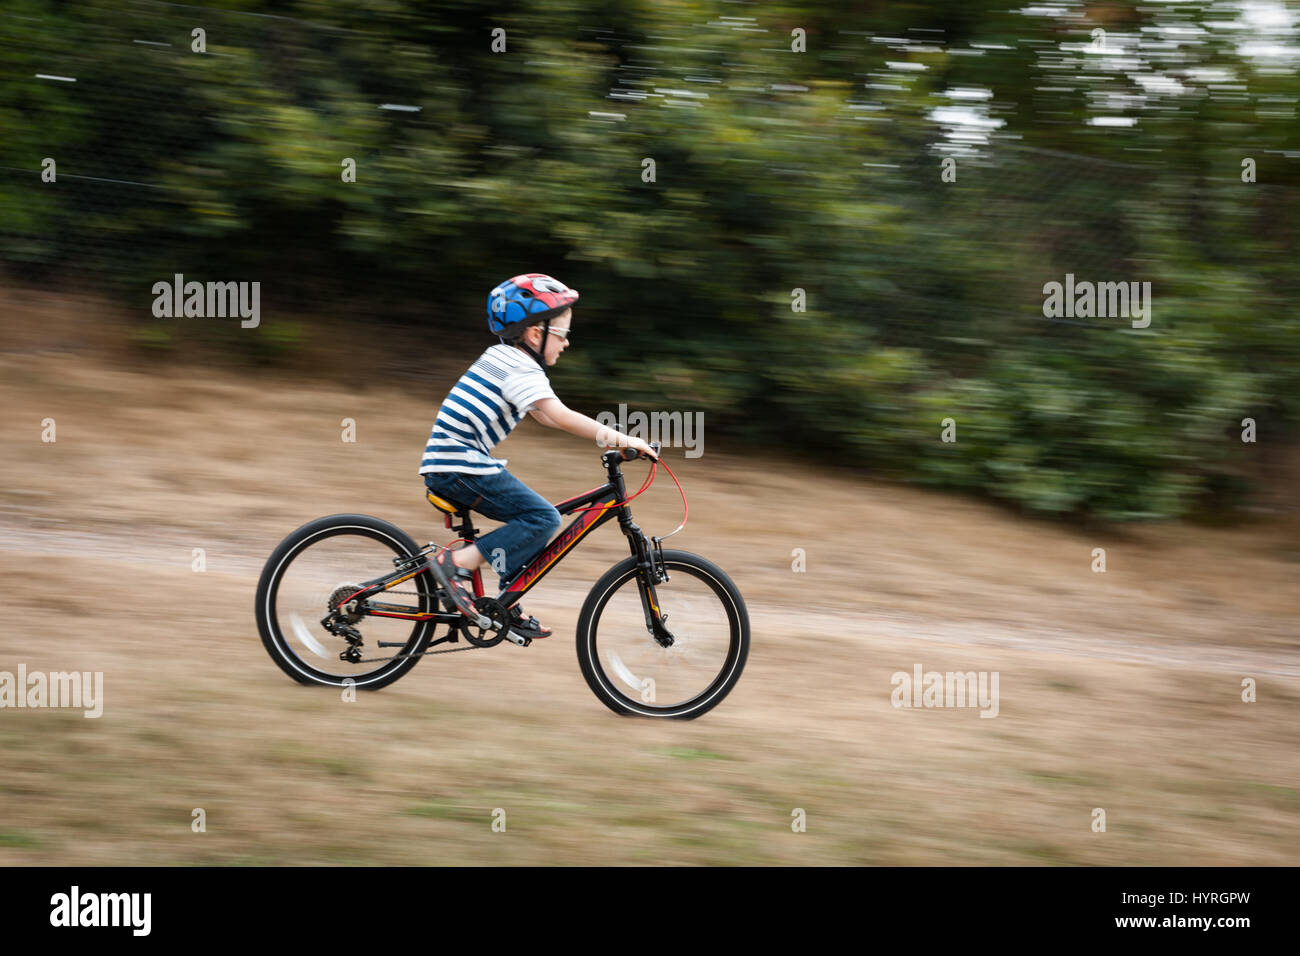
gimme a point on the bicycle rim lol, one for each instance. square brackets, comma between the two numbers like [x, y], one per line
[644, 677]
[326, 567]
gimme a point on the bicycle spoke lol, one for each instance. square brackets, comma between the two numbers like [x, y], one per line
[646, 671]
[318, 578]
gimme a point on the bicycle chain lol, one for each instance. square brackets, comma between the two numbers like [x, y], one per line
[449, 650]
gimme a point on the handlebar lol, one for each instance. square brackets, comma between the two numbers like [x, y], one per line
[631, 454]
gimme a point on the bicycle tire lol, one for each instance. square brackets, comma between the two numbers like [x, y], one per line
[606, 688]
[273, 637]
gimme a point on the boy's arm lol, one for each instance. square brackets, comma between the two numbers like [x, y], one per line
[555, 414]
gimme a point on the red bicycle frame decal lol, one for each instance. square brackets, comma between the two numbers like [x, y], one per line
[570, 536]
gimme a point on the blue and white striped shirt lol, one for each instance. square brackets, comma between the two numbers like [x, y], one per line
[490, 399]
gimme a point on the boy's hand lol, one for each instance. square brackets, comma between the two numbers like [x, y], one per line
[641, 446]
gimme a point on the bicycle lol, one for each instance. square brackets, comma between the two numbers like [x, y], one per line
[632, 659]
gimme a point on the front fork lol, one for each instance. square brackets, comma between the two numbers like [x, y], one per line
[651, 570]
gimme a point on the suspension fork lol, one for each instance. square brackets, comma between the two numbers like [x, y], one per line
[650, 570]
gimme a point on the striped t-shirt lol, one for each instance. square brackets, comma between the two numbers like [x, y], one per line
[482, 409]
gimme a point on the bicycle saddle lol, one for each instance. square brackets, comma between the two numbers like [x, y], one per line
[445, 506]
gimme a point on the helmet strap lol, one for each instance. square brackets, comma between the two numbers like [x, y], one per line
[529, 349]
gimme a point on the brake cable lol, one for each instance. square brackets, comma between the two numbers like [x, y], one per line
[649, 480]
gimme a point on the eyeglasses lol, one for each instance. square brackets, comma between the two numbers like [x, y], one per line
[562, 333]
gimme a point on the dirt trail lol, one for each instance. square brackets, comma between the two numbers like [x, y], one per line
[148, 551]
[1120, 690]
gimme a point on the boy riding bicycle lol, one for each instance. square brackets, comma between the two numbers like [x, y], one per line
[531, 316]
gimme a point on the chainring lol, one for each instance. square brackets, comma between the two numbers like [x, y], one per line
[500, 617]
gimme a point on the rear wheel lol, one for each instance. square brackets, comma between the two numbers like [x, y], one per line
[311, 572]
[631, 672]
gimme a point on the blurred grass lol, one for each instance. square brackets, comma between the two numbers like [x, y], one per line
[1105, 678]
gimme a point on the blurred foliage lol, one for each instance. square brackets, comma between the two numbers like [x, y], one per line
[775, 170]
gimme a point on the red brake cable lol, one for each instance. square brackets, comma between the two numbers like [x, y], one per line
[649, 480]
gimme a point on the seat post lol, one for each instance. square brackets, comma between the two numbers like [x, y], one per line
[451, 509]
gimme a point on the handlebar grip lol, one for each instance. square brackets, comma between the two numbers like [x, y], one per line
[630, 454]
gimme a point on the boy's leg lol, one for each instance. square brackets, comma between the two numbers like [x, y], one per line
[530, 519]
[445, 485]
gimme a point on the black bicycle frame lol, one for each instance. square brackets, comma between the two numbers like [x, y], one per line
[609, 501]
[596, 507]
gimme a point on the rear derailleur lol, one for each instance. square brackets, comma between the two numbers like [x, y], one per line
[340, 628]
[340, 619]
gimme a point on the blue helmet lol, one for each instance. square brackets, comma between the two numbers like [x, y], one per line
[526, 300]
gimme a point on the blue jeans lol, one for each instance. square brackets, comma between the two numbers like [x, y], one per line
[530, 519]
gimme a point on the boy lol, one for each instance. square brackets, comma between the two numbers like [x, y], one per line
[531, 315]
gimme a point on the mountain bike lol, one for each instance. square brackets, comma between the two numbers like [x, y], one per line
[663, 633]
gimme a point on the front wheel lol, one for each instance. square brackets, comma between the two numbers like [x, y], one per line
[633, 673]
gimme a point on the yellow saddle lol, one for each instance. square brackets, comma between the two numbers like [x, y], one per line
[443, 505]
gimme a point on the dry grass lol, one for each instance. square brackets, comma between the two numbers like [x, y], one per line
[1118, 690]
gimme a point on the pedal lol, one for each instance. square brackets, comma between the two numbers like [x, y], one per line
[481, 621]
[514, 638]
